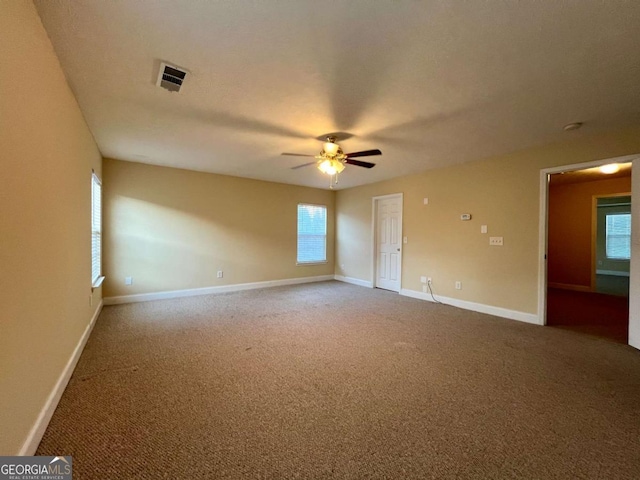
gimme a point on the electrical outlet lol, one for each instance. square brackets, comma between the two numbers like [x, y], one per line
[483, 229]
[423, 279]
[458, 285]
[496, 241]
[128, 280]
[219, 273]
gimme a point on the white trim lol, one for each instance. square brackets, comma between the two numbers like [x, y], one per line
[634, 280]
[374, 233]
[543, 210]
[614, 273]
[192, 292]
[354, 281]
[34, 437]
[542, 222]
[475, 307]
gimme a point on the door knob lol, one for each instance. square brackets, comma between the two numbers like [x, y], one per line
[398, 249]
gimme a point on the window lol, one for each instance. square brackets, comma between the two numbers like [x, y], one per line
[618, 236]
[96, 230]
[312, 233]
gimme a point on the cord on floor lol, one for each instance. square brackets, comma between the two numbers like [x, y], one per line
[434, 298]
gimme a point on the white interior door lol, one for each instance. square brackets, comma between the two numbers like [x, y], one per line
[389, 243]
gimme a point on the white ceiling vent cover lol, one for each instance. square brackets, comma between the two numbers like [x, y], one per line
[171, 77]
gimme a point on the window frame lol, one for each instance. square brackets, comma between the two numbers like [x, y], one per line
[326, 222]
[96, 228]
[606, 236]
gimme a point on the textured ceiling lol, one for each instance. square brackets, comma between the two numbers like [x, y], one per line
[430, 83]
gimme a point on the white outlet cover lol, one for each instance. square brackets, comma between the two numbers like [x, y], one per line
[423, 279]
[498, 241]
[425, 201]
[483, 229]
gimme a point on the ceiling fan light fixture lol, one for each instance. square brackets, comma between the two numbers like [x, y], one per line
[330, 167]
[330, 148]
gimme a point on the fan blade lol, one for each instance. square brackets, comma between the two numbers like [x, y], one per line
[365, 153]
[297, 154]
[358, 163]
[303, 165]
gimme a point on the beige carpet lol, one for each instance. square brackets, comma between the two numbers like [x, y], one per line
[331, 380]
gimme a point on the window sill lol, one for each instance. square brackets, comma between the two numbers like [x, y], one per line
[97, 283]
[303, 264]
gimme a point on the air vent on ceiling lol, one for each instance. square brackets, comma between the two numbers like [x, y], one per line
[170, 77]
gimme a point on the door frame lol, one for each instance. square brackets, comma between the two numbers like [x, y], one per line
[374, 235]
[544, 220]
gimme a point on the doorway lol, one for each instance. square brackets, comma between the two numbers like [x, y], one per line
[576, 264]
[387, 242]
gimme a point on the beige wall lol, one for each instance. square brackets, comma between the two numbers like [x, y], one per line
[47, 154]
[173, 229]
[569, 234]
[501, 192]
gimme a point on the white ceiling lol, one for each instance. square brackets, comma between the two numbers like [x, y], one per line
[430, 83]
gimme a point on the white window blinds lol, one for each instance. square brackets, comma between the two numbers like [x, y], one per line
[618, 236]
[312, 233]
[96, 228]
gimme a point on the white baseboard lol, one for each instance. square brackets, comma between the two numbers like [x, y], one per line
[615, 273]
[354, 281]
[476, 307]
[34, 437]
[146, 297]
[569, 286]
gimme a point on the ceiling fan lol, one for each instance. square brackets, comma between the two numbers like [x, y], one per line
[332, 160]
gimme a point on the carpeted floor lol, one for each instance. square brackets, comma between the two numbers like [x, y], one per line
[599, 314]
[331, 380]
